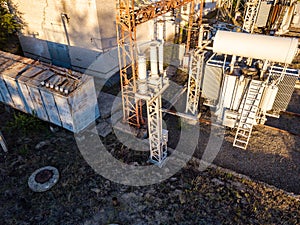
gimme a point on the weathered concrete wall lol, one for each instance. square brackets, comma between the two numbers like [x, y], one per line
[106, 14]
[76, 34]
[72, 22]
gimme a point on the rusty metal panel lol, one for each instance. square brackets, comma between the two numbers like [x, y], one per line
[16, 94]
[38, 105]
[27, 98]
[7, 98]
[72, 105]
[27, 75]
[10, 75]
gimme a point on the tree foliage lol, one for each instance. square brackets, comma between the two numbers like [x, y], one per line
[8, 22]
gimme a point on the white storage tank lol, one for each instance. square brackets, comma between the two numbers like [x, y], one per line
[256, 46]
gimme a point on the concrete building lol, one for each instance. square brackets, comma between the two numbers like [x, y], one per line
[76, 34]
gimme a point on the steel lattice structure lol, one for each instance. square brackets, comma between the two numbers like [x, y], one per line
[126, 35]
[251, 15]
[158, 142]
[195, 74]
[127, 20]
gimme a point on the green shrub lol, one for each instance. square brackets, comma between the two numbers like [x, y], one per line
[25, 124]
[8, 22]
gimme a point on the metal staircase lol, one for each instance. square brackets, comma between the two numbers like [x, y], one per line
[249, 108]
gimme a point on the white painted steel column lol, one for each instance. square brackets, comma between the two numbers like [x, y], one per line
[200, 37]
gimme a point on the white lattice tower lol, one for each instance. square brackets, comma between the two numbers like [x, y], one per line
[158, 147]
[195, 74]
[251, 15]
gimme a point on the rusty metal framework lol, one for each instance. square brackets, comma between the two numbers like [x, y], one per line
[128, 17]
[126, 34]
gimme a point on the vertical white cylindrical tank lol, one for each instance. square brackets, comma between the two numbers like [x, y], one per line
[268, 98]
[160, 37]
[160, 30]
[257, 46]
[161, 58]
[142, 69]
[153, 60]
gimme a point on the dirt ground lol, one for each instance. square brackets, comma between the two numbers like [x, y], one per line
[268, 194]
[213, 196]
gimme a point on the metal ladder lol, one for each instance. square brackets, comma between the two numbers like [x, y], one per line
[249, 108]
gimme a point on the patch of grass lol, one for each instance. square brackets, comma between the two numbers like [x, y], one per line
[26, 124]
[23, 150]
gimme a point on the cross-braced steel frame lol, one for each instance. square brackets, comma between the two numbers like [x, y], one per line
[158, 146]
[195, 74]
[251, 15]
[127, 19]
[126, 35]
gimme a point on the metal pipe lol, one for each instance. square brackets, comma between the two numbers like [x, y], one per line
[183, 115]
[233, 59]
[3, 143]
[63, 17]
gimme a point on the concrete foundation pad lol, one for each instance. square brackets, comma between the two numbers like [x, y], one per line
[104, 128]
[108, 104]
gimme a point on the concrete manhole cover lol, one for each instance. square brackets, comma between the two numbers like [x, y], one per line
[43, 179]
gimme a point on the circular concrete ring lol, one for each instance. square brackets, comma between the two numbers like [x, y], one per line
[48, 175]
